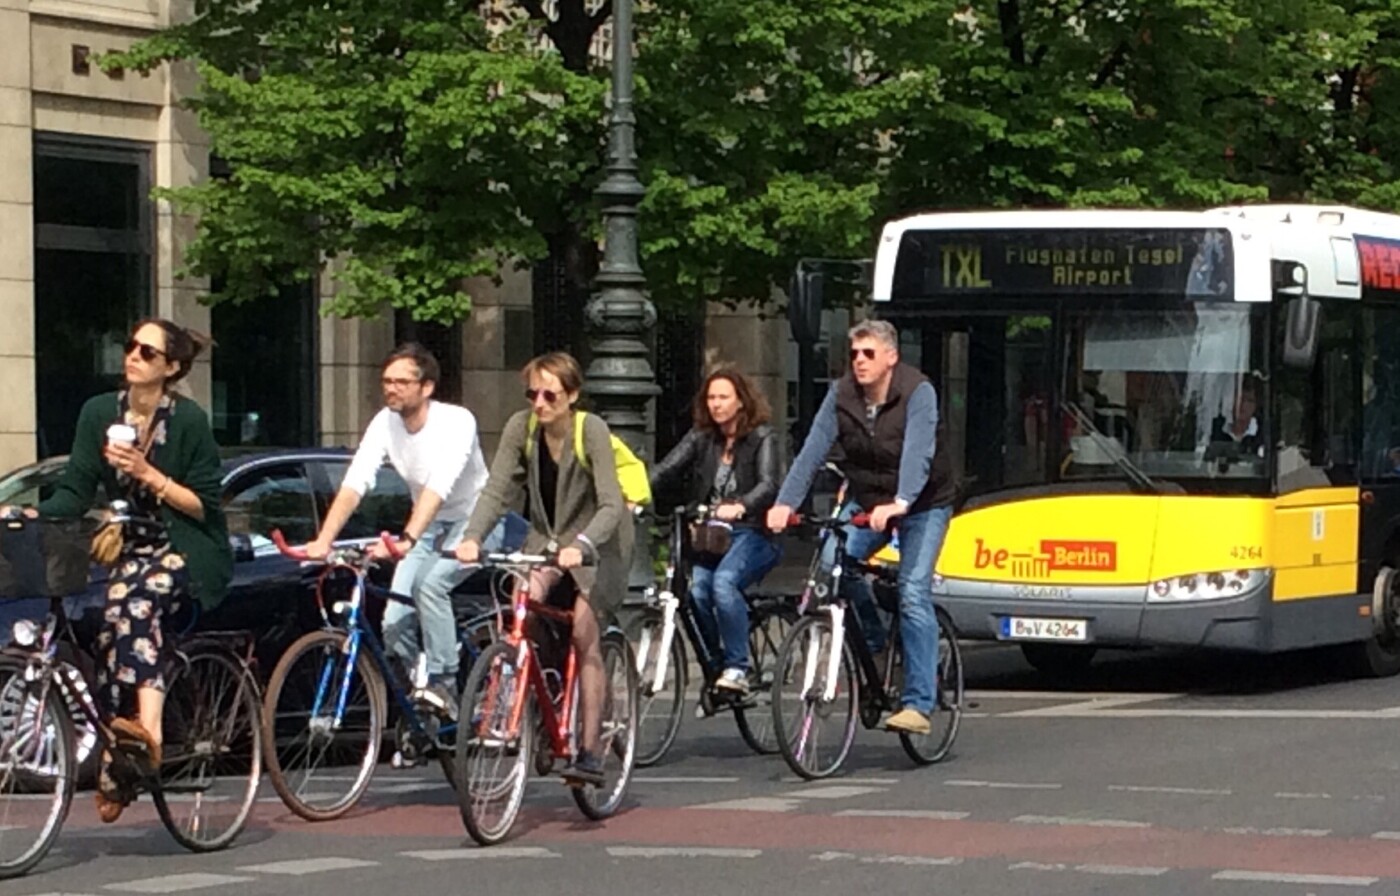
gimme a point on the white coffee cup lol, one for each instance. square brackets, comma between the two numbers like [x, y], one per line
[121, 434]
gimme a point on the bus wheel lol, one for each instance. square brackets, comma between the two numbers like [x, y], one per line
[1058, 659]
[1379, 656]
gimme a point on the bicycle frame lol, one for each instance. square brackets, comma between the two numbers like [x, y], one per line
[674, 601]
[558, 723]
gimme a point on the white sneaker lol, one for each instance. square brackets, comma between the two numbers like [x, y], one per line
[736, 680]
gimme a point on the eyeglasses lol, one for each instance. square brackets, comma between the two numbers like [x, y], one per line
[148, 352]
[549, 395]
[869, 353]
[398, 382]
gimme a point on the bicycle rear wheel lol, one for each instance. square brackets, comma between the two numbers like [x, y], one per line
[926, 749]
[38, 768]
[618, 745]
[659, 707]
[212, 757]
[494, 744]
[767, 630]
[814, 731]
[312, 740]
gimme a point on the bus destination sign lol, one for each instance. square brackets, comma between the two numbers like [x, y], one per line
[1380, 263]
[1192, 264]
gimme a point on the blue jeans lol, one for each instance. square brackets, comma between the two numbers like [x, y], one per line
[430, 580]
[920, 539]
[718, 594]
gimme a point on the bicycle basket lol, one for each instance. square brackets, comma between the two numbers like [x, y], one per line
[43, 558]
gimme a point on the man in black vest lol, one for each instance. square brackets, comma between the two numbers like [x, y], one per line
[884, 414]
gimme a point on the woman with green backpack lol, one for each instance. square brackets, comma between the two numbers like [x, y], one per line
[564, 459]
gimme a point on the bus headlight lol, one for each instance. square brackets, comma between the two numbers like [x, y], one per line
[1207, 585]
[25, 633]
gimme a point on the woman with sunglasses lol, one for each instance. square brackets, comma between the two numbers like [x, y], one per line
[575, 507]
[729, 460]
[155, 450]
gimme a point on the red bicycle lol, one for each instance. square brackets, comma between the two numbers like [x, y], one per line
[519, 709]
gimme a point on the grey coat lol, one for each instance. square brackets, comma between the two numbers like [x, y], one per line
[589, 511]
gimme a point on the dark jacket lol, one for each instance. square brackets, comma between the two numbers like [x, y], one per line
[756, 467]
[189, 456]
[872, 456]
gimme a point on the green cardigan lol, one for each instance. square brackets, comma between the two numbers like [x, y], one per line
[189, 456]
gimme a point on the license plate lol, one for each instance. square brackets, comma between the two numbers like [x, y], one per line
[1026, 628]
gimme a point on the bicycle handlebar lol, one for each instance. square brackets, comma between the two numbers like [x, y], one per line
[859, 521]
[299, 553]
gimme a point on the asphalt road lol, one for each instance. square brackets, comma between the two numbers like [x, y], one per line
[1150, 774]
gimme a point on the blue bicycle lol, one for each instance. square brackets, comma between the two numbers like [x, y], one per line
[327, 705]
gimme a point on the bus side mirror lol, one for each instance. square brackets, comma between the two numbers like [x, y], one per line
[1302, 319]
[805, 305]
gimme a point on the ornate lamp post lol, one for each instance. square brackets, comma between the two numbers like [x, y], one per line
[620, 378]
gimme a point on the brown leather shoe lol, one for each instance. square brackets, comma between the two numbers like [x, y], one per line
[109, 810]
[134, 734]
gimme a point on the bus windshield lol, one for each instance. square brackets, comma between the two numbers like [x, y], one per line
[1175, 392]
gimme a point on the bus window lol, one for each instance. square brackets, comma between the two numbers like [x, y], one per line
[1317, 408]
[1380, 394]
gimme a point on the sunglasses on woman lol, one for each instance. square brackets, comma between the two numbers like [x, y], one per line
[148, 352]
[549, 395]
[867, 353]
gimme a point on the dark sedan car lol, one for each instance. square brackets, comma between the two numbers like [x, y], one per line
[270, 595]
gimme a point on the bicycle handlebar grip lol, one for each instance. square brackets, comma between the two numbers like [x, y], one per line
[390, 545]
[285, 549]
[861, 521]
[794, 519]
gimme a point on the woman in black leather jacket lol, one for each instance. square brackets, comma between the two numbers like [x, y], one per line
[730, 461]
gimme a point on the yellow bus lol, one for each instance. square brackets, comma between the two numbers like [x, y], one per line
[1170, 428]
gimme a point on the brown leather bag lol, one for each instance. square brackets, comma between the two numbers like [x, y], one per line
[709, 542]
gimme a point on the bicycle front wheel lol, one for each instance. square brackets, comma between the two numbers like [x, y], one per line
[618, 744]
[659, 703]
[37, 768]
[814, 704]
[767, 629]
[495, 738]
[323, 723]
[926, 749]
[212, 757]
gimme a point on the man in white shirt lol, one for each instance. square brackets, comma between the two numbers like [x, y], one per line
[434, 446]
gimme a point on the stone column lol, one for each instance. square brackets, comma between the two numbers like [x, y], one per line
[18, 406]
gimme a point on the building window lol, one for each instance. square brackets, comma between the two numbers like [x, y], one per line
[264, 370]
[93, 222]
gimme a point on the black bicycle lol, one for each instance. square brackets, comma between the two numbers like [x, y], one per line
[662, 664]
[208, 777]
[827, 678]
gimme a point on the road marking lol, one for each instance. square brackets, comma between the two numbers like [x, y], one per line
[878, 781]
[1265, 877]
[177, 883]
[298, 867]
[682, 779]
[834, 856]
[834, 792]
[1302, 796]
[687, 852]
[1037, 866]
[1003, 785]
[1093, 706]
[1183, 791]
[411, 788]
[1125, 870]
[1066, 820]
[1076, 710]
[754, 804]
[1386, 835]
[932, 814]
[495, 852]
[1278, 832]
[1077, 697]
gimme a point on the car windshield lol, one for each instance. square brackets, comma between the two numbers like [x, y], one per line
[1171, 392]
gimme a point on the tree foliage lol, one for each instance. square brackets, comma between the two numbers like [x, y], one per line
[421, 143]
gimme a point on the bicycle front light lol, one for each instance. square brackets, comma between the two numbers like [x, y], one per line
[25, 633]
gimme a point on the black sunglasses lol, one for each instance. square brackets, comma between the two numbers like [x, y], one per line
[148, 352]
[549, 395]
[869, 353]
